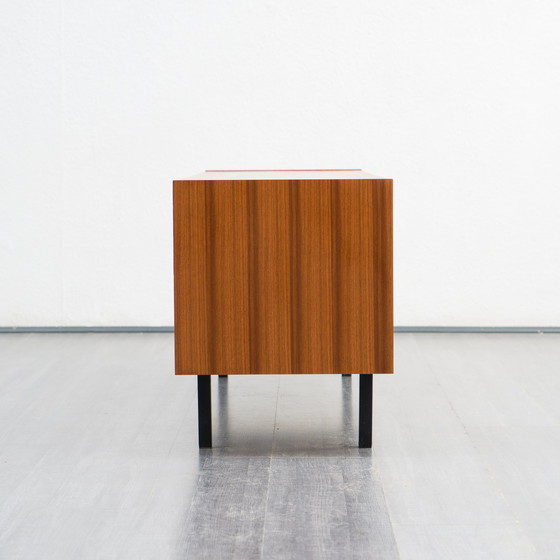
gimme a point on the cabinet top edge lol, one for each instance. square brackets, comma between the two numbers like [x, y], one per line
[280, 174]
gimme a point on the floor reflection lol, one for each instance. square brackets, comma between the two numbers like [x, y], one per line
[287, 507]
[311, 415]
[222, 411]
[285, 478]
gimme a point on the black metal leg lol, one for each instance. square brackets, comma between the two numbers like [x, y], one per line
[366, 410]
[204, 411]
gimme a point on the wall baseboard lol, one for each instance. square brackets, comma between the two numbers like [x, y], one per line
[400, 329]
[86, 329]
[491, 330]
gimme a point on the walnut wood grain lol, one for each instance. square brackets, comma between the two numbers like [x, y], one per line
[283, 276]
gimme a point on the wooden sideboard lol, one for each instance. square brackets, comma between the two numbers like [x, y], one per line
[283, 272]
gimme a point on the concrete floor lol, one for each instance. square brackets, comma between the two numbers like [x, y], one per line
[99, 458]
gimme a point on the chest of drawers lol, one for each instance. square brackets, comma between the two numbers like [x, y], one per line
[283, 272]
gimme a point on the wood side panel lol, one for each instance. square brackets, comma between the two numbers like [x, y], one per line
[383, 274]
[279, 276]
[190, 266]
[227, 239]
[353, 273]
[269, 276]
[311, 280]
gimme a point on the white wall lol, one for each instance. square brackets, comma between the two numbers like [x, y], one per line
[103, 103]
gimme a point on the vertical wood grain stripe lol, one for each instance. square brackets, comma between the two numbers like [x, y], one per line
[312, 277]
[227, 281]
[336, 286]
[190, 276]
[382, 240]
[295, 255]
[269, 280]
[353, 273]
